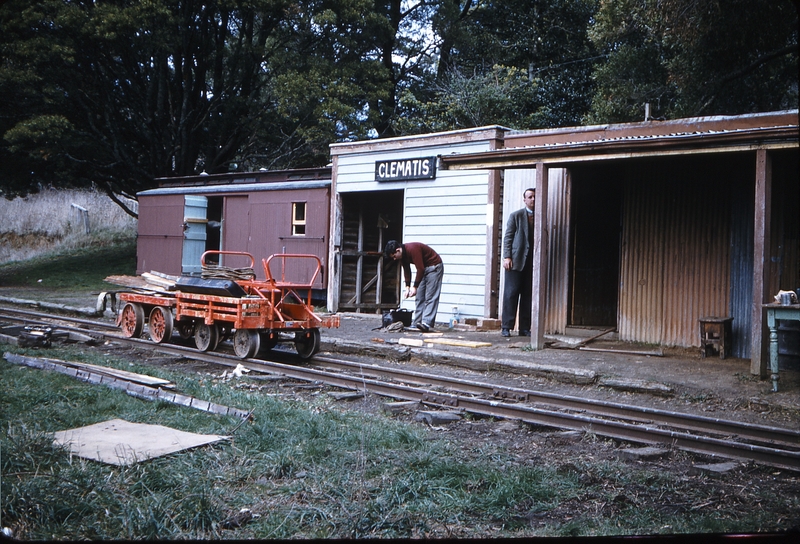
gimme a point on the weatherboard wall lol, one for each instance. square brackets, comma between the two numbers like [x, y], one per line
[451, 213]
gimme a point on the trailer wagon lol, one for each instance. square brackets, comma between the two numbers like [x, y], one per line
[231, 303]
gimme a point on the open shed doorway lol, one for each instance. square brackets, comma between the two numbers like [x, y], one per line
[214, 226]
[369, 220]
[596, 219]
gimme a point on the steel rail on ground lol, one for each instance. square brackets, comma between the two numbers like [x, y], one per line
[742, 430]
[511, 403]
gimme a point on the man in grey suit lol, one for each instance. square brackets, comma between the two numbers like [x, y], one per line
[518, 265]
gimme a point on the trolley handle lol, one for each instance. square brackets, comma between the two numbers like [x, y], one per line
[215, 252]
[283, 256]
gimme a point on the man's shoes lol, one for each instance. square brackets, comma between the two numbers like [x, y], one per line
[506, 333]
[423, 327]
[525, 332]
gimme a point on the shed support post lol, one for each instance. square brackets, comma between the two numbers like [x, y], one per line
[540, 251]
[761, 263]
[379, 272]
[335, 246]
[360, 259]
[494, 215]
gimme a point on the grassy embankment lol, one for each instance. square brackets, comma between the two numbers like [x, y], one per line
[44, 244]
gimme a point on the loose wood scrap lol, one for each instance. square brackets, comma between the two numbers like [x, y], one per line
[151, 281]
[162, 280]
[459, 343]
[596, 336]
[75, 368]
[136, 282]
[420, 342]
[579, 344]
[133, 388]
[655, 353]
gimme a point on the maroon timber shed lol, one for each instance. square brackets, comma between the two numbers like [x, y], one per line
[261, 213]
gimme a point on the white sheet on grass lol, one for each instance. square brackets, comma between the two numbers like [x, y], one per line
[119, 442]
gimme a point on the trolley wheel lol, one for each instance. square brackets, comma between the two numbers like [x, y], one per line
[307, 343]
[160, 325]
[268, 343]
[132, 320]
[185, 329]
[206, 337]
[246, 343]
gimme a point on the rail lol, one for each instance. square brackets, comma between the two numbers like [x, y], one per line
[768, 445]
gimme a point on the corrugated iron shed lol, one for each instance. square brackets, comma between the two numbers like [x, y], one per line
[708, 218]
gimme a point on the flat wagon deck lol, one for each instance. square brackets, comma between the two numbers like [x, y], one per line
[255, 314]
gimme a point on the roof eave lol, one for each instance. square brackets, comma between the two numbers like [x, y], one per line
[762, 138]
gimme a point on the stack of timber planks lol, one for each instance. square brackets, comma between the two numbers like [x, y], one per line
[149, 281]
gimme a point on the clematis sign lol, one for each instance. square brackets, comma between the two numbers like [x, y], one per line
[405, 169]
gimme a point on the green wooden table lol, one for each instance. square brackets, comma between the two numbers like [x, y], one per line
[775, 312]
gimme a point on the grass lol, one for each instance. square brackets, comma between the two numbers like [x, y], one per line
[82, 268]
[310, 469]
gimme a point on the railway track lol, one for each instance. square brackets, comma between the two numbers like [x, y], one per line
[726, 439]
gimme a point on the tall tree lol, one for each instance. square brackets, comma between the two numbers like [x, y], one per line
[694, 57]
[520, 63]
[117, 93]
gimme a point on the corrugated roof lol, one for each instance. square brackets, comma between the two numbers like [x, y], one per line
[671, 137]
[626, 146]
[237, 188]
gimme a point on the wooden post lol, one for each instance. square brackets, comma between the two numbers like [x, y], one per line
[83, 217]
[360, 258]
[334, 245]
[761, 262]
[493, 241]
[540, 245]
[379, 272]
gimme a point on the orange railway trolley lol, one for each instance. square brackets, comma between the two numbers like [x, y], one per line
[255, 314]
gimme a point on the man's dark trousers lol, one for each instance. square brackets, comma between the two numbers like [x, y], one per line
[517, 291]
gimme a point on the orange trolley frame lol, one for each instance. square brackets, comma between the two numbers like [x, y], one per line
[257, 321]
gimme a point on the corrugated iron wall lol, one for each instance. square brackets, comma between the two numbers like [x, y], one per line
[675, 262]
[558, 221]
[558, 213]
[641, 302]
[742, 226]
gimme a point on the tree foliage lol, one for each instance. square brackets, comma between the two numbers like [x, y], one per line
[117, 93]
[694, 57]
[517, 63]
[121, 92]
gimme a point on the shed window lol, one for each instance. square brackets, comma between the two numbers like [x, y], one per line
[298, 218]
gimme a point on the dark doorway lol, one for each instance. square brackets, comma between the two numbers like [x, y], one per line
[596, 214]
[369, 220]
[214, 226]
